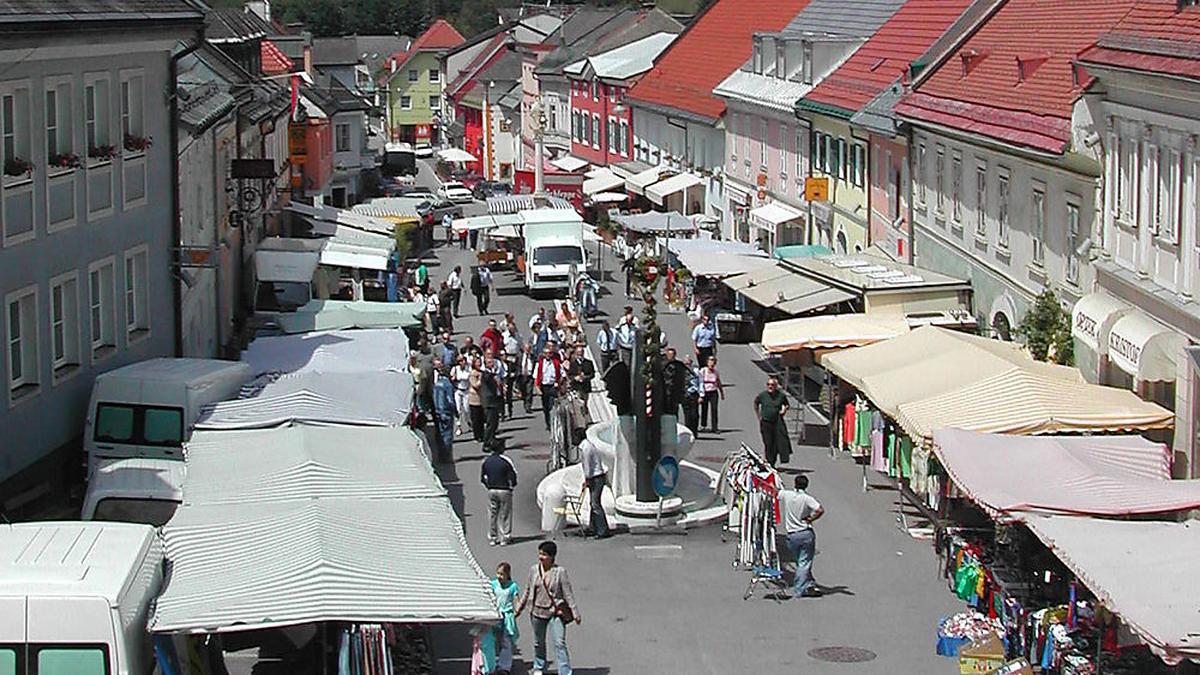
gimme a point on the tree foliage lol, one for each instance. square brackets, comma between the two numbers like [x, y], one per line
[1046, 330]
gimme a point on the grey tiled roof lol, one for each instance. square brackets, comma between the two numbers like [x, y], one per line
[334, 51]
[22, 11]
[234, 25]
[849, 18]
[877, 115]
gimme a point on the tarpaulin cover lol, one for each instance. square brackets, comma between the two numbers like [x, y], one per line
[364, 399]
[1144, 571]
[1023, 402]
[317, 315]
[703, 263]
[333, 351]
[834, 331]
[1086, 475]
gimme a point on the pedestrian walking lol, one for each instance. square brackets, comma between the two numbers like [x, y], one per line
[446, 351]
[475, 400]
[547, 376]
[461, 376]
[462, 239]
[506, 591]
[800, 510]
[538, 318]
[704, 339]
[445, 305]
[433, 312]
[422, 278]
[675, 378]
[628, 265]
[483, 296]
[770, 406]
[580, 372]
[691, 395]
[445, 410]
[552, 606]
[606, 345]
[526, 364]
[627, 336]
[499, 475]
[491, 341]
[491, 396]
[455, 283]
[711, 391]
[448, 223]
[595, 476]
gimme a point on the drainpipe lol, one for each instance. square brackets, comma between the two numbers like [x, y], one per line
[176, 206]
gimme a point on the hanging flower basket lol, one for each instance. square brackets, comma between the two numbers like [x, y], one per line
[16, 167]
[647, 269]
[102, 152]
[65, 160]
[135, 143]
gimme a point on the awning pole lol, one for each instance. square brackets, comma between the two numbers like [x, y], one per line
[833, 415]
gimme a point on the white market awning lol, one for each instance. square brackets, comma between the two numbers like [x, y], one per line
[1093, 317]
[286, 266]
[658, 192]
[356, 257]
[569, 163]
[719, 264]
[638, 183]
[334, 351]
[456, 155]
[324, 315]
[770, 216]
[596, 172]
[365, 399]
[834, 331]
[1145, 349]
[609, 197]
[603, 183]
[333, 215]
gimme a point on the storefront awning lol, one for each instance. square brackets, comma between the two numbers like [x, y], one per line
[355, 257]
[602, 183]
[1021, 402]
[771, 216]
[781, 289]
[658, 192]
[814, 301]
[380, 399]
[1144, 571]
[1144, 348]
[323, 315]
[835, 331]
[1085, 475]
[1093, 317]
[336, 351]
[706, 264]
[569, 163]
[637, 183]
[763, 274]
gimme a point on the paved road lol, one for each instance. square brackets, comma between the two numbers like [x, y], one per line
[672, 603]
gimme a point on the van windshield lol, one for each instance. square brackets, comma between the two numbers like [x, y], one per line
[557, 255]
[154, 512]
[139, 424]
[281, 296]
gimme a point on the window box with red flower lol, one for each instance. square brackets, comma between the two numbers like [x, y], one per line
[135, 144]
[17, 170]
[101, 154]
[63, 161]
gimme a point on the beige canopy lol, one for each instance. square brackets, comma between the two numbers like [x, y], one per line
[834, 331]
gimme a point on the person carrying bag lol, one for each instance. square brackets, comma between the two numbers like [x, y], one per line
[552, 606]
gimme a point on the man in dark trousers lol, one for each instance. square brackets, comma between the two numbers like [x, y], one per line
[675, 381]
[499, 476]
[596, 477]
[547, 375]
[491, 396]
[770, 406]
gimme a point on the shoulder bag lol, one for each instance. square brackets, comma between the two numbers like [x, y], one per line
[561, 609]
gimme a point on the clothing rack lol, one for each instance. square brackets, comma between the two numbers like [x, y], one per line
[755, 489]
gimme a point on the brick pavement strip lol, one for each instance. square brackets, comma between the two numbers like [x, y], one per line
[671, 603]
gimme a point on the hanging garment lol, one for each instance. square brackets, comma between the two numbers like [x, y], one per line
[848, 428]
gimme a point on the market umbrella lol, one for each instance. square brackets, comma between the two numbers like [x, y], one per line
[456, 155]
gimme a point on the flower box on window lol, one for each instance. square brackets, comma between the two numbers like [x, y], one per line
[15, 167]
[102, 153]
[64, 160]
[135, 143]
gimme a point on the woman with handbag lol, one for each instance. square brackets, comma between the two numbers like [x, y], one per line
[552, 606]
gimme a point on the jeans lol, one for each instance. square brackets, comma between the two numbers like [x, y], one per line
[500, 516]
[549, 396]
[558, 633]
[464, 408]
[803, 545]
[445, 427]
[505, 647]
[598, 518]
[708, 409]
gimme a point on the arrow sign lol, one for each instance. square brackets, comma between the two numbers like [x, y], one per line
[666, 476]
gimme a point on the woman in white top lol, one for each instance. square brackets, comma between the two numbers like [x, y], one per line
[431, 310]
[460, 374]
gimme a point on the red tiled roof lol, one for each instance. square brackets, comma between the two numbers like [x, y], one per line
[1155, 36]
[910, 31]
[439, 35]
[1048, 133]
[713, 46]
[274, 61]
[983, 71]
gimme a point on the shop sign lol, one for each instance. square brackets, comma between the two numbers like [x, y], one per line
[297, 142]
[816, 189]
[423, 131]
[1126, 349]
[1087, 327]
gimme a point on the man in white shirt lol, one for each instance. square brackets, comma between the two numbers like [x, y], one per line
[800, 510]
[606, 344]
[596, 477]
[626, 336]
[455, 282]
[540, 317]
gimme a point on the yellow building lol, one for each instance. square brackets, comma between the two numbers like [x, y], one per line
[836, 153]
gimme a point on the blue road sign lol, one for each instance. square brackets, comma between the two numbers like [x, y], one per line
[666, 476]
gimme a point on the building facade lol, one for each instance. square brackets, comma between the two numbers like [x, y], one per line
[86, 230]
[416, 108]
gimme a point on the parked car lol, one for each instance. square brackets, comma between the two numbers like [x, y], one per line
[416, 193]
[486, 188]
[424, 150]
[456, 192]
[467, 177]
[439, 208]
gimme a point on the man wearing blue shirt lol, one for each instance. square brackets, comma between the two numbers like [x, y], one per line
[704, 339]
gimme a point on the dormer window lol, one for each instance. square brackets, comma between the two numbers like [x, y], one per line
[806, 64]
[758, 57]
[780, 60]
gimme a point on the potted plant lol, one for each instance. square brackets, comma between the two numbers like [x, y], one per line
[102, 153]
[64, 160]
[135, 143]
[16, 167]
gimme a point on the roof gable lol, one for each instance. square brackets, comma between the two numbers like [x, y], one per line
[884, 57]
[714, 45]
[1155, 36]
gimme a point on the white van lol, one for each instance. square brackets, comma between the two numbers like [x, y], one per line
[147, 409]
[134, 490]
[74, 598]
[553, 246]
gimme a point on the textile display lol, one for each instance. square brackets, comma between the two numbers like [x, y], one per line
[754, 492]
[365, 650]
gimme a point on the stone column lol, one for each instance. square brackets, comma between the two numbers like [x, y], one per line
[1187, 240]
[1145, 189]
